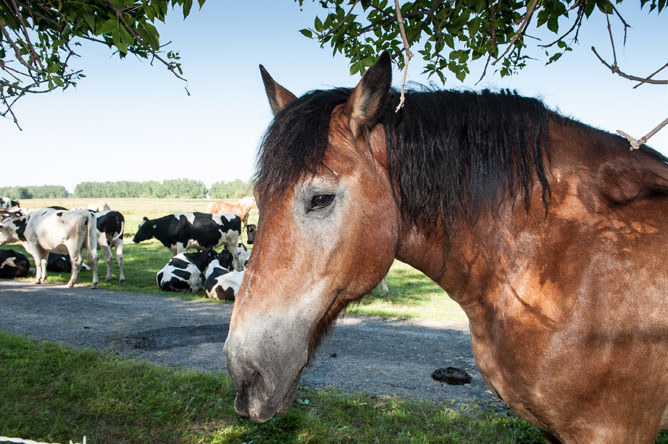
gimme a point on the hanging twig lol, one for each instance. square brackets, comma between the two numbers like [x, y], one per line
[635, 144]
[409, 55]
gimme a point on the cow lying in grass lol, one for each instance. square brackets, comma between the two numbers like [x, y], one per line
[221, 283]
[47, 229]
[13, 264]
[184, 271]
[182, 231]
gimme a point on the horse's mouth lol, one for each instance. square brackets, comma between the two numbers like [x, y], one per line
[254, 402]
[286, 403]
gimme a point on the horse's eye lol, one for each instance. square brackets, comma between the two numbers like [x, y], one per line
[321, 201]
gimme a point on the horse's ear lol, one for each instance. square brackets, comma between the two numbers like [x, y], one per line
[368, 101]
[278, 96]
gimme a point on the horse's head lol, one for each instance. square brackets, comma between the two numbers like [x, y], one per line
[327, 234]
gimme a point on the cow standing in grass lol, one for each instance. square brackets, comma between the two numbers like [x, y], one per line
[110, 228]
[182, 231]
[47, 229]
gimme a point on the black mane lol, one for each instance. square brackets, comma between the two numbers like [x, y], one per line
[450, 153]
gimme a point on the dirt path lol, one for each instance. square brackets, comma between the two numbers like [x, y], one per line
[381, 357]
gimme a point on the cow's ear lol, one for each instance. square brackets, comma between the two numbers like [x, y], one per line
[369, 99]
[278, 96]
[145, 218]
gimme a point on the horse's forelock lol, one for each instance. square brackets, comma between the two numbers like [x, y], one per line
[295, 143]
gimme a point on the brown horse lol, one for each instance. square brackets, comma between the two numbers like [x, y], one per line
[241, 208]
[551, 235]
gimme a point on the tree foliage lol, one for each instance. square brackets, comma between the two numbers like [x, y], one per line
[34, 192]
[174, 188]
[450, 34]
[231, 190]
[38, 40]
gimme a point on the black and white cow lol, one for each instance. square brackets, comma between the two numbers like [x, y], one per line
[223, 284]
[7, 203]
[61, 263]
[219, 282]
[110, 229]
[222, 260]
[13, 264]
[182, 231]
[46, 229]
[243, 256]
[4, 214]
[184, 271]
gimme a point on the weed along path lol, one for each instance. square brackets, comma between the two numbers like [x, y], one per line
[372, 355]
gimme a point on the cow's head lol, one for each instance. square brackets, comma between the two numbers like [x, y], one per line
[202, 259]
[11, 229]
[145, 230]
[251, 231]
[225, 259]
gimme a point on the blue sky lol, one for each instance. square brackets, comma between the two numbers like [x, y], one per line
[128, 120]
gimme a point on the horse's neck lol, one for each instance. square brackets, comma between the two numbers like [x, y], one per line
[593, 179]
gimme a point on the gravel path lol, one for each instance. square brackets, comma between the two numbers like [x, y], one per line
[372, 355]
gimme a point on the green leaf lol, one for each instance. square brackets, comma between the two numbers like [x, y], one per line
[317, 24]
[306, 33]
[553, 24]
[449, 40]
[90, 20]
[187, 5]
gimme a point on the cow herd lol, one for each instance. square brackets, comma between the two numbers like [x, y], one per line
[56, 238]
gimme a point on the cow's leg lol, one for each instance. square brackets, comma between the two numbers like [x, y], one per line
[232, 248]
[39, 255]
[119, 257]
[109, 260]
[92, 263]
[76, 259]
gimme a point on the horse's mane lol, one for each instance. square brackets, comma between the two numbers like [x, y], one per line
[450, 153]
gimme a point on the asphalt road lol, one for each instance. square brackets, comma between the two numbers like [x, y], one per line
[372, 355]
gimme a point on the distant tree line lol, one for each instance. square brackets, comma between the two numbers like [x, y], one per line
[34, 192]
[185, 188]
[231, 190]
[172, 188]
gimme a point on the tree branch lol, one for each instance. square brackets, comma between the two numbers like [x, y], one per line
[409, 55]
[119, 15]
[615, 70]
[338, 25]
[635, 144]
[519, 32]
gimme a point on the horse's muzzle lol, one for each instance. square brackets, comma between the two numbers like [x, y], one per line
[261, 395]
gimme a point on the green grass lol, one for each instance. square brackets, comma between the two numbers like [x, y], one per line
[54, 393]
[411, 294]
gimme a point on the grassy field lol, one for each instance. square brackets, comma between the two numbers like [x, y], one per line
[58, 394]
[411, 294]
[54, 393]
